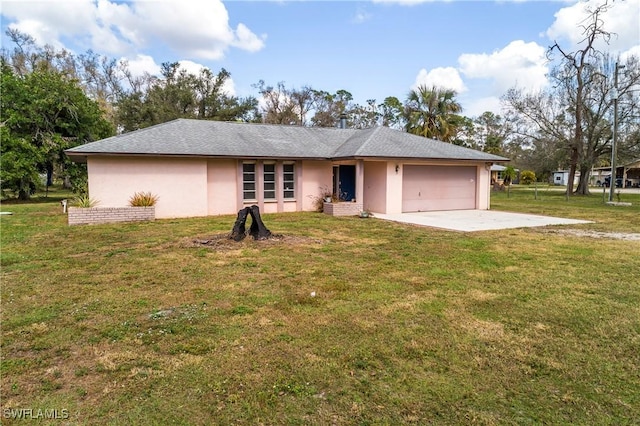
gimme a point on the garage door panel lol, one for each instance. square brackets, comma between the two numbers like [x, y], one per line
[427, 188]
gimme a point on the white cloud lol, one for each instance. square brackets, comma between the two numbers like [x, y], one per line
[247, 40]
[448, 78]
[141, 64]
[195, 29]
[476, 107]
[634, 51]
[361, 16]
[487, 76]
[191, 67]
[621, 19]
[518, 64]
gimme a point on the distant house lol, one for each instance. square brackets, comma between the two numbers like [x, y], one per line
[630, 174]
[497, 174]
[200, 168]
[561, 177]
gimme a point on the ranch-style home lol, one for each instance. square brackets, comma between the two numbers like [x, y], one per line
[200, 168]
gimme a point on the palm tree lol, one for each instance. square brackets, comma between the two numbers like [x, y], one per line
[432, 113]
[509, 174]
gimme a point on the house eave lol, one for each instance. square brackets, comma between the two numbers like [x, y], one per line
[409, 159]
[81, 157]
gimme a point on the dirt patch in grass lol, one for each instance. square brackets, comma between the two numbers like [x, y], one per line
[222, 242]
[595, 234]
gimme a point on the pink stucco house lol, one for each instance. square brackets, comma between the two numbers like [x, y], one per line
[200, 168]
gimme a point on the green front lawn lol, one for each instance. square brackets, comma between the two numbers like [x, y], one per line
[137, 324]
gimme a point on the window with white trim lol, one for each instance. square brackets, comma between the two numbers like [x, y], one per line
[249, 181]
[289, 180]
[269, 181]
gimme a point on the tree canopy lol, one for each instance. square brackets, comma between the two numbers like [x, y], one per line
[432, 113]
[43, 113]
[53, 99]
[571, 123]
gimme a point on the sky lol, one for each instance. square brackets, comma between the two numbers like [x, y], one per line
[373, 49]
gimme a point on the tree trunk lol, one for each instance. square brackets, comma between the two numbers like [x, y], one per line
[572, 170]
[24, 191]
[583, 184]
[258, 231]
[239, 230]
[49, 174]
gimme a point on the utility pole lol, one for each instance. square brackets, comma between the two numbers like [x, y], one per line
[612, 180]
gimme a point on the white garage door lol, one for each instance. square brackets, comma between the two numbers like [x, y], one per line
[428, 188]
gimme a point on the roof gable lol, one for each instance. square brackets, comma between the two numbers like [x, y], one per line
[186, 137]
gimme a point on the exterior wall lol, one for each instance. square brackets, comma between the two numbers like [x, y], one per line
[360, 181]
[394, 188]
[97, 215]
[383, 185]
[200, 187]
[180, 184]
[375, 186]
[222, 186]
[316, 175]
[483, 199]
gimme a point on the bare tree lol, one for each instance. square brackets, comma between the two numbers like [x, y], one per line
[575, 115]
[279, 107]
[303, 100]
[574, 75]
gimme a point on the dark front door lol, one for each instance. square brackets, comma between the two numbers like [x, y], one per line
[347, 176]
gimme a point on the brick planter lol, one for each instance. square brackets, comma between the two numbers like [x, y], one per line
[342, 209]
[96, 215]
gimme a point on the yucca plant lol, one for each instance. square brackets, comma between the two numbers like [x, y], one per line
[143, 199]
[85, 201]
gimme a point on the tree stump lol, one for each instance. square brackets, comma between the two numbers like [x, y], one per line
[239, 230]
[258, 231]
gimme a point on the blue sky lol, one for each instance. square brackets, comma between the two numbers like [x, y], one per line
[373, 49]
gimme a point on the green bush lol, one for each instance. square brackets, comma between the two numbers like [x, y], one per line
[143, 199]
[85, 201]
[527, 177]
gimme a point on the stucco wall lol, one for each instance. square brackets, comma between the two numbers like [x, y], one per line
[383, 185]
[222, 187]
[180, 184]
[200, 187]
[316, 175]
[375, 186]
[483, 201]
[394, 188]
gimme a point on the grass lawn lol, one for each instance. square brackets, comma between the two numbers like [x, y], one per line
[135, 324]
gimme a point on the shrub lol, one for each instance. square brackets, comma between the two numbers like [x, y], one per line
[318, 200]
[85, 201]
[143, 199]
[527, 177]
[509, 174]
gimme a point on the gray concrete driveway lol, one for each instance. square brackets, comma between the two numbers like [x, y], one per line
[477, 220]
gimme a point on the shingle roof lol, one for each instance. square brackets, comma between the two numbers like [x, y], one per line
[184, 137]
